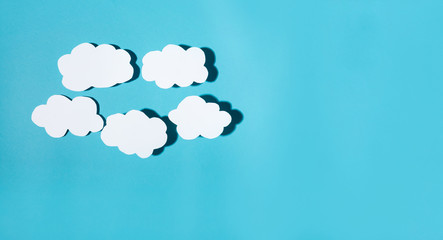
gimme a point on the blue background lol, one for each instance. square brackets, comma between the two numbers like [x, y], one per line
[341, 138]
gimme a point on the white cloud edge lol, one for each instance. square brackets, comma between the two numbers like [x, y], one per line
[62, 108]
[143, 145]
[165, 67]
[192, 119]
[78, 76]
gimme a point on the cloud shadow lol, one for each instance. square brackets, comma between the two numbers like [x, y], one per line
[171, 129]
[209, 64]
[237, 115]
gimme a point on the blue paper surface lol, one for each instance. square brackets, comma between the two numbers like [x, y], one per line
[341, 138]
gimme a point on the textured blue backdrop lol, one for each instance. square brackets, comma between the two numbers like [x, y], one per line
[341, 138]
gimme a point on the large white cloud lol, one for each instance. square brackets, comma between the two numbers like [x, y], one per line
[134, 132]
[195, 117]
[174, 65]
[89, 66]
[61, 114]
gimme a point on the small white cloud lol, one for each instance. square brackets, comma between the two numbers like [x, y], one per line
[61, 114]
[174, 65]
[195, 117]
[89, 66]
[134, 132]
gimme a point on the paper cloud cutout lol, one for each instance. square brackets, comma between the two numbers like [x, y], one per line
[134, 133]
[100, 67]
[174, 65]
[61, 114]
[195, 117]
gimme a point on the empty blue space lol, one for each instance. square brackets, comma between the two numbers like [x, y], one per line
[341, 138]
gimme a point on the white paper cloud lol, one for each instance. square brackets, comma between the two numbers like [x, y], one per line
[195, 117]
[89, 66]
[61, 114]
[174, 65]
[134, 132]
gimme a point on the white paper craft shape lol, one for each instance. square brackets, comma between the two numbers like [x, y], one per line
[175, 65]
[134, 132]
[61, 114]
[90, 66]
[195, 117]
